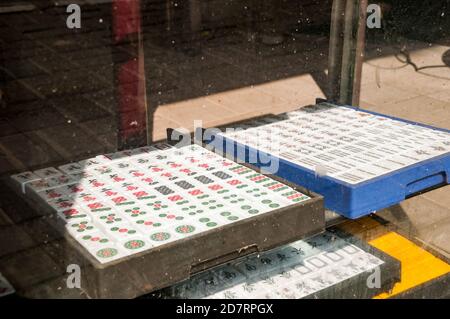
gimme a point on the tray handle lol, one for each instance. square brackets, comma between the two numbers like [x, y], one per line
[222, 259]
[426, 182]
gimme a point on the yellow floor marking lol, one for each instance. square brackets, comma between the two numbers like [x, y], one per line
[418, 266]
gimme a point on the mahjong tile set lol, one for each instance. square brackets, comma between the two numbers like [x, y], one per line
[301, 269]
[359, 161]
[119, 204]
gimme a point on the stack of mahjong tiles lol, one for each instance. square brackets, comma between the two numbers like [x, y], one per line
[323, 266]
[119, 204]
[358, 160]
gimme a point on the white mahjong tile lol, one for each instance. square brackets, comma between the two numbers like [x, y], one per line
[102, 171]
[92, 183]
[109, 218]
[72, 214]
[81, 176]
[61, 204]
[38, 185]
[51, 194]
[92, 162]
[146, 180]
[80, 227]
[85, 198]
[24, 178]
[163, 236]
[121, 232]
[101, 246]
[47, 172]
[120, 201]
[156, 204]
[97, 207]
[106, 192]
[71, 168]
[137, 192]
[148, 224]
[135, 244]
[187, 228]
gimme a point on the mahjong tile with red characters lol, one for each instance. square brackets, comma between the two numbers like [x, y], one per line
[114, 178]
[97, 207]
[74, 213]
[51, 194]
[94, 183]
[108, 192]
[101, 246]
[85, 198]
[134, 190]
[60, 204]
[120, 201]
[183, 171]
[146, 180]
[134, 172]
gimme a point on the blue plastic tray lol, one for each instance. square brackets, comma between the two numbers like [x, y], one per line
[354, 200]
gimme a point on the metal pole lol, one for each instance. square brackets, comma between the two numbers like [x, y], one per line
[335, 49]
[360, 48]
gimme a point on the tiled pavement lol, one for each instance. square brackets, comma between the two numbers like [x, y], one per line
[58, 102]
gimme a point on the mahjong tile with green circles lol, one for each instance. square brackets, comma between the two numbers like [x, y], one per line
[122, 232]
[100, 246]
[170, 216]
[135, 244]
[163, 236]
[78, 228]
[147, 225]
[228, 215]
[192, 209]
[188, 228]
[156, 204]
[212, 203]
[233, 198]
[134, 212]
[210, 222]
[109, 218]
